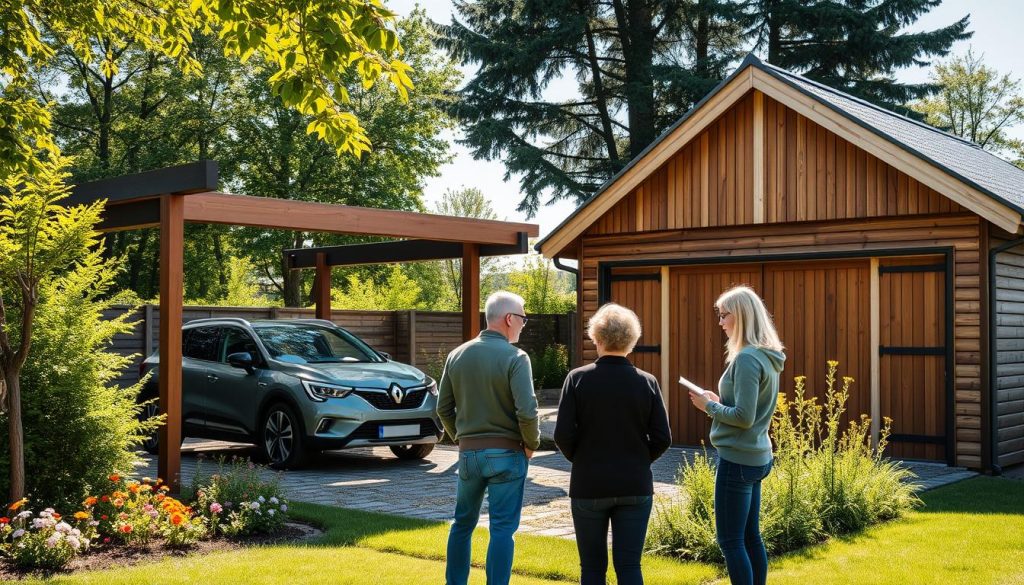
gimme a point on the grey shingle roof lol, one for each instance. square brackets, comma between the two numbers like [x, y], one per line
[967, 161]
[963, 159]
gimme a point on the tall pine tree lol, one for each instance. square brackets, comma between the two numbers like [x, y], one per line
[852, 45]
[637, 64]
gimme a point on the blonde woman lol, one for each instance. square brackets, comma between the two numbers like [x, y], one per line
[739, 430]
[611, 425]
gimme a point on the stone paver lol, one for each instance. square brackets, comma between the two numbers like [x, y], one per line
[375, 480]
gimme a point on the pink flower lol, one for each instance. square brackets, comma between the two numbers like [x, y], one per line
[216, 508]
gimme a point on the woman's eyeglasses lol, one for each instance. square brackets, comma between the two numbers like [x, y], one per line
[722, 314]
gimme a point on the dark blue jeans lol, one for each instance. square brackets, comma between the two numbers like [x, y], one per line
[628, 516]
[738, 521]
[501, 473]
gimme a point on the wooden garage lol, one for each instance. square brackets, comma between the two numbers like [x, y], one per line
[875, 240]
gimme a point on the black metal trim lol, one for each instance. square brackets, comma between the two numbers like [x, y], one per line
[950, 303]
[908, 438]
[891, 350]
[400, 251]
[604, 284]
[197, 177]
[647, 349]
[634, 277]
[920, 268]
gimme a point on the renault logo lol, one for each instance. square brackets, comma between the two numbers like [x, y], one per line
[397, 394]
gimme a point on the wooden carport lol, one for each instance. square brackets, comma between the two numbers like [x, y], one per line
[168, 198]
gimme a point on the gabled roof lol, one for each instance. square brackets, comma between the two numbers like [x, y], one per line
[980, 181]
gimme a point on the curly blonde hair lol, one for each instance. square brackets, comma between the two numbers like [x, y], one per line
[616, 327]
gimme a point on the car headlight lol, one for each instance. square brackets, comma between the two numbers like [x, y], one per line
[320, 391]
[432, 387]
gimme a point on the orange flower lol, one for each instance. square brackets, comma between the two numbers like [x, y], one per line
[115, 477]
[160, 497]
[56, 516]
[126, 528]
[90, 501]
[5, 520]
[165, 488]
[177, 518]
[82, 515]
[118, 502]
[133, 488]
[18, 504]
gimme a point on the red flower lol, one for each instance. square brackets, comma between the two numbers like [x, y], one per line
[115, 477]
[106, 540]
[105, 498]
[103, 517]
[5, 520]
[126, 528]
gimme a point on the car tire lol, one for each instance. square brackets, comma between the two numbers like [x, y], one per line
[281, 439]
[412, 451]
[150, 410]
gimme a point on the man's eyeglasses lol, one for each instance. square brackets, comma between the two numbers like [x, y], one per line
[523, 317]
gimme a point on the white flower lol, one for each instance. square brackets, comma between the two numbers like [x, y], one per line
[76, 532]
[63, 527]
[52, 541]
[39, 523]
[270, 512]
[284, 507]
[18, 533]
[261, 499]
[23, 515]
[273, 500]
[94, 523]
[255, 505]
[74, 542]
[46, 513]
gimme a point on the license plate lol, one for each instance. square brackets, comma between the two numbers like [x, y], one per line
[389, 431]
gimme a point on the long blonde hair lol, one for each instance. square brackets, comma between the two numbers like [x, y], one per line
[753, 324]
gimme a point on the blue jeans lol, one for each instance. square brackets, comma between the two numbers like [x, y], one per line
[737, 521]
[628, 516]
[502, 474]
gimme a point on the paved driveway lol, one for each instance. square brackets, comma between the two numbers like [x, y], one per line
[374, 479]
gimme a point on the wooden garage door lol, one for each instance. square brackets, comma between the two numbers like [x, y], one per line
[698, 343]
[639, 289]
[822, 312]
[912, 355]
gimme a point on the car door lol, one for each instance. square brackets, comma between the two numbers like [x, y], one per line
[231, 393]
[199, 350]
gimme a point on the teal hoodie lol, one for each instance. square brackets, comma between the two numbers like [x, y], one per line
[749, 389]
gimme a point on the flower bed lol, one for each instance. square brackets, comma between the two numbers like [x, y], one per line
[140, 514]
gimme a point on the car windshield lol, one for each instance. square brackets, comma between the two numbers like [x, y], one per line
[313, 344]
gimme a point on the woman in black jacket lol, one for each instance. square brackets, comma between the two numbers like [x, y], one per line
[611, 425]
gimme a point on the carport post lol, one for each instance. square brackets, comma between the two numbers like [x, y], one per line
[172, 238]
[470, 291]
[323, 287]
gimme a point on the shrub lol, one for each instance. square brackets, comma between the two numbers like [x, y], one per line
[825, 482]
[236, 500]
[78, 423]
[551, 366]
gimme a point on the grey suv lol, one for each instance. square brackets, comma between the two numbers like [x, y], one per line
[293, 387]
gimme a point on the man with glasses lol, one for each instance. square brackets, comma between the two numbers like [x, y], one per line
[487, 405]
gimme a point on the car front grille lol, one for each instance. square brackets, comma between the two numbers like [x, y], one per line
[383, 401]
[370, 430]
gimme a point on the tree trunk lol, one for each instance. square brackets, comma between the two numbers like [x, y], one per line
[636, 24]
[16, 434]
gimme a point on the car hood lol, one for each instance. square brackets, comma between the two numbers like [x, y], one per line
[361, 375]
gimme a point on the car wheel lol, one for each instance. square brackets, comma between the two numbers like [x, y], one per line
[150, 410]
[412, 451]
[281, 438]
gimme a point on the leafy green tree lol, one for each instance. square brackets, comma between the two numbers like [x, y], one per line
[852, 45]
[273, 158]
[637, 64]
[977, 103]
[542, 286]
[39, 241]
[397, 292]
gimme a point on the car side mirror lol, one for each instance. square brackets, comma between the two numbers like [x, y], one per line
[242, 359]
[385, 355]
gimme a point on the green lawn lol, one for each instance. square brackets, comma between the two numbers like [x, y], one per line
[971, 532]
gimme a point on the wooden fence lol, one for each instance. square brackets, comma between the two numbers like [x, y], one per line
[417, 337]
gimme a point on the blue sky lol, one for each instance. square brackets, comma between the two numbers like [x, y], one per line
[997, 24]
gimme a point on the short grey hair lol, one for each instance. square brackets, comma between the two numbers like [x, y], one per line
[616, 327]
[502, 303]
